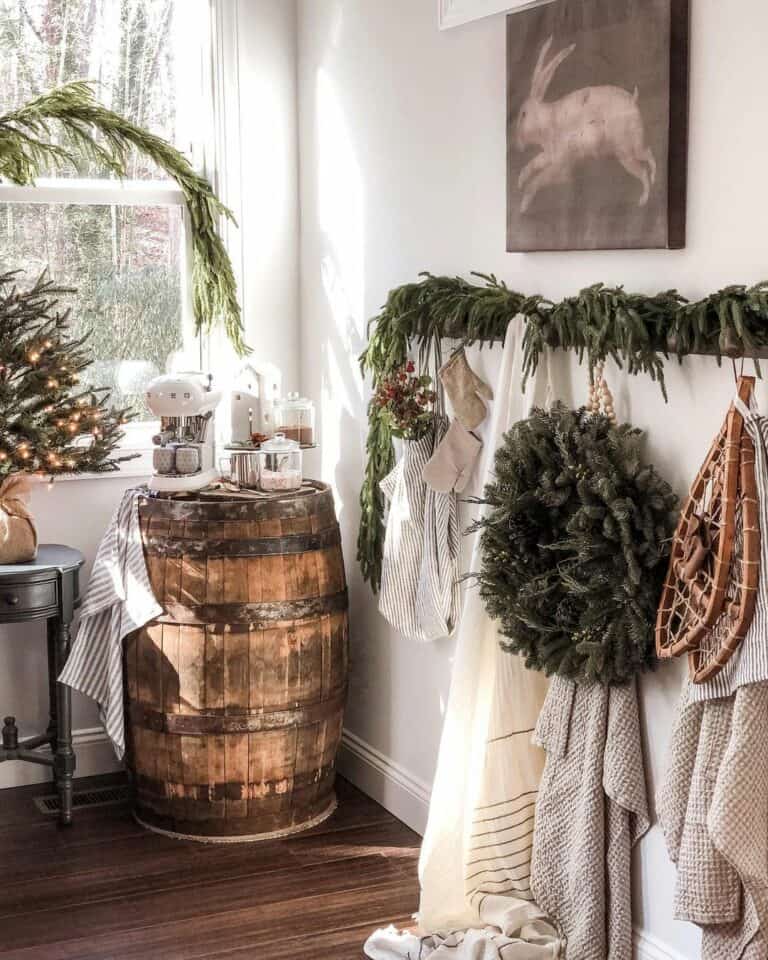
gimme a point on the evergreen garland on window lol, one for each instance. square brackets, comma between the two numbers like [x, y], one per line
[93, 132]
[573, 539]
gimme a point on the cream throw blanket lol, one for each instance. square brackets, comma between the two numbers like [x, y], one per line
[475, 858]
[713, 808]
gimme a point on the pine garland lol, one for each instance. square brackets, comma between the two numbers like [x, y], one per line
[573, 542]
[49, 423]
[26, 150]
[638, 332]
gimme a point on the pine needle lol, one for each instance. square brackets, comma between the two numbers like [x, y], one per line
[26, 149]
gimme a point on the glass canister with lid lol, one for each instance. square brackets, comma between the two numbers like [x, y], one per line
[279, 464]
[295, 418]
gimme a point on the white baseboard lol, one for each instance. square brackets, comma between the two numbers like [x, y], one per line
[387, 782]
[648, 947]
[94, 756]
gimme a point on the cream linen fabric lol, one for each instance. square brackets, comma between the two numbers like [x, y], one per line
[713, 809]
[514, 929]
[592, 809]
[475, 858]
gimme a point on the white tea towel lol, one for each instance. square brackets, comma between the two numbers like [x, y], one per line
[119, 600]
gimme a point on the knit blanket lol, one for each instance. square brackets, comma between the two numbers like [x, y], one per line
[713, 808]
[592, 809]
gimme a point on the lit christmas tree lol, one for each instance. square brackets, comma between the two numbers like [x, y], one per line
[49, 423]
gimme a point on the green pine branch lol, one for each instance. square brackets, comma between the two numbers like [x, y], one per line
[639, 332]
[50, 423]
[26, 149]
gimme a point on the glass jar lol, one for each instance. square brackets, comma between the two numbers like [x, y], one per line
[279, 465]
[295, 418]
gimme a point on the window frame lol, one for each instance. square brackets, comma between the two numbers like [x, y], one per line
[212, 130]
[144, 193]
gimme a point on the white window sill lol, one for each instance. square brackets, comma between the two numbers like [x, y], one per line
[111, 475]
[140, 468]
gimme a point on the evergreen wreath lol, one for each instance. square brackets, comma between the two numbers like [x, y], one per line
[573, 543]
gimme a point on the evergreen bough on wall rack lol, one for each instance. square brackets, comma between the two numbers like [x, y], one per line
[639, 332]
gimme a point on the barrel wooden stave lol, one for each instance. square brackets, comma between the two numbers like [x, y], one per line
[274, 682]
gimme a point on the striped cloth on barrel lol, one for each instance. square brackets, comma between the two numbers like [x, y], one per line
[119, 600]
[749, 664]
[420, 594]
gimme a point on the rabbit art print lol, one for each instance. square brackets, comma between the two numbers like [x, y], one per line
[597, 108]
[586, 124]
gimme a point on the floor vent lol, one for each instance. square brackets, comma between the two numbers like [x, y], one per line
[98, 797]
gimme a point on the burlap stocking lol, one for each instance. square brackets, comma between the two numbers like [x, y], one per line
[465, 390]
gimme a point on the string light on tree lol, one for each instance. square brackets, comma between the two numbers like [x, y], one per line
[42, 425]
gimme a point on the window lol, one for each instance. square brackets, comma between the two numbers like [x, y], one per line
[122, 246]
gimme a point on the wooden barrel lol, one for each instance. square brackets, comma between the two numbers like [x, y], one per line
[236, 693]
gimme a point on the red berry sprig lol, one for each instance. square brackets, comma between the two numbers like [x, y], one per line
[406, 399]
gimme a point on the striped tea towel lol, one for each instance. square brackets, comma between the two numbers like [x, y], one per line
[119, 600]
[420, 595]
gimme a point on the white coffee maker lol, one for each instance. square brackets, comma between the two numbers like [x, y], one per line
[184, 456]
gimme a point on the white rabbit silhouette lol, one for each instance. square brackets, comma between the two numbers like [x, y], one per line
[587, 124]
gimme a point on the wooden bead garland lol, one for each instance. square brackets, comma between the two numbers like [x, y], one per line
[600, 398]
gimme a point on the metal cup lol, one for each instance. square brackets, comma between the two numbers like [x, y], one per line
[187, 460]
[243, 468]
[163, 459]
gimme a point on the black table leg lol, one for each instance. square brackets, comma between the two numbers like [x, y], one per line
[52, 629]
[65, 755]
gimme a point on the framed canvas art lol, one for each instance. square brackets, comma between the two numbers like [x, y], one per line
[453, 13]
[597, 125]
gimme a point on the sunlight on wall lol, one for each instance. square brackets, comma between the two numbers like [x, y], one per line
[340, 219]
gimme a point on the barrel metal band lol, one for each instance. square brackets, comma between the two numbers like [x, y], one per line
[255, 614]
[165, 546]
[206, 724]
[307, 503]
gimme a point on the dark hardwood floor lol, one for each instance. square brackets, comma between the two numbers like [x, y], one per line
[106, 889]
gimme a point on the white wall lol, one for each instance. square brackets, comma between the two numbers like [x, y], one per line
[260, 181]
[262, 175]
[402, 147]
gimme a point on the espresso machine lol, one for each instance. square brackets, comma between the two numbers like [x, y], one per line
[184, 456]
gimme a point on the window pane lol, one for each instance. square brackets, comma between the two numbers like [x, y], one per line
[125, 264]
[127, 46]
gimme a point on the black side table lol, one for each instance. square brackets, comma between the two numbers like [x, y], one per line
[48, 589]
